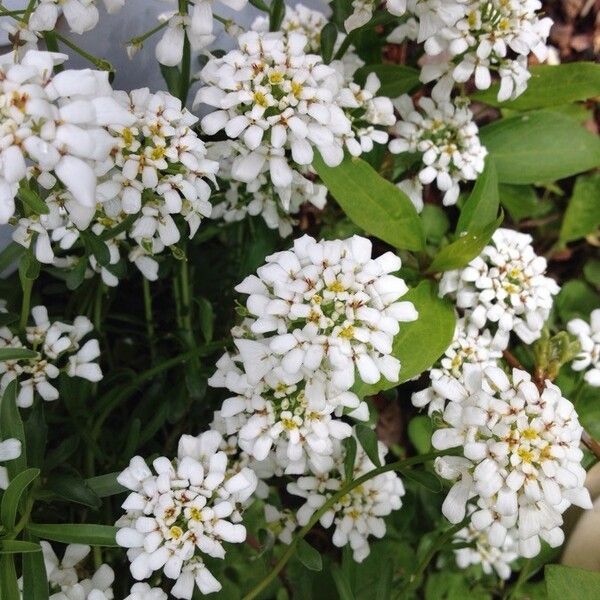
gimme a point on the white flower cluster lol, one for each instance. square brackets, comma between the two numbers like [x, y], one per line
[470, 346]
[10, 449]
[184, 509]
[282, 104]
[362, 11]
[54, 343]
[446, 135]
[505, 286]
[317, 313]
[52, 128]
[588, 359]
[155, 169]
[472, 38]
[481, 552]
[142, 591]
[64, 580]
[521, 464]
[358, 514]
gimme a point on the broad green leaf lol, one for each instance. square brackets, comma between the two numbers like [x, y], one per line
[18, 547]
[97, 247]
[35, 580]
[551, 85]
[341, 583]
[276, 14]
[395, 79]
[464, 249]
[583, 211]
[350, 448]
[76, 275]
[9, 589]
[435, 223]
[105, 485]
[481, 207]
[431, 334]
[33, 201]
[419, 433]
[384, 585]
[75, 533]
[11, 426]
[373, 203]
[591, 270]
[540, 146]
[576, 299]
[70, 486]
[425, 478]
[521, 202]
[328, 37]
[368, 440]
[568, 583]
[10, 255]
[16, 354]
[12, 496]
[308, 556]
[588, 409]
[29, 268]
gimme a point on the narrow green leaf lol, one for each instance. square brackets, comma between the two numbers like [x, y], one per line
[384, 583]
[329, 35]
[308, 556]
[70, 486]
[9, 588]
[76, 275]
[373, 203]
[551, 85]
[425, 478]
[464, 249]
[367, 438]
[18, 547]
[16, 354]
[349, 457]
[97, 247]
[260, 5]
[583, 211]
[395, 79]
[481, 207]
[33, 201]
[105, 485]
[521, 202]
[76, 533]
[36, 433]
[10, 255]
[540, 146]
[431, 333]
[568, 583]
[171, 75]
[341, 583]
[207, 318]
[12, 496]
[35, 580]
[419, 433]
[11, 426]
[276, 14]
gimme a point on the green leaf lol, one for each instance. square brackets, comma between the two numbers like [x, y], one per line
[568, 583]
[419, 433]
[29, 267]
[75, 533]
[10, 255]
[583, 211]
[105, 485]
[9, 589]
[540, 146]
[384, 584]
[591, 270]
[576, 299]
[207, 318]
[76, 275]
[35, 580]
[367, 438]
[435, 223]
[276, 14]
[395, 79]
[551, 85]
[97, 247]
[329, 35]
[308, 556]
[16, 354]
[427, 479]
[464, 249]
[481, 207]
[70, 486]
[521, 202]
[11, 426]
[350, 448]
[260, 5]
[373, 203]
[36, 433]
[171, 76]
[18, 547]
[12, 496]
[341, 583]
[33, 201]
[431, 333]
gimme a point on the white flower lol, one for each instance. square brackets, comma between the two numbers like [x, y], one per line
[448, 139]
[588, 359]
[180, 511]
[282, 523]
[359, 514]
[53, 342]
[522, 462]
[506, 286]
[9, 450]
[362, 11]
[142, 591]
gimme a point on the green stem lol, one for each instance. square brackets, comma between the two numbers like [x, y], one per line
[28, 11]
[99, 63]
[186, 308]
[523, 577]
[52, 46]
[140, 39]
[27, 285]
[186, 60]
[149, 318]
[399, 465]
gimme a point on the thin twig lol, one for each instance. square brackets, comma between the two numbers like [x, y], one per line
[592, 444]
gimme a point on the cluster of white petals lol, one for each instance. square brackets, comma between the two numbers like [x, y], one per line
[142, 591]
[358, 514]
[282, 104]
[521, 462]
[10, 449]
[53, 128]
[504, 287]
[64, 579]
[447, 137]
[471, 39]
[470, 346]
[156, 170]
[362, 11]
[182, 510]
[588, 359]
[320, 316]
[281, 523]
[58, 348]
[481, 552]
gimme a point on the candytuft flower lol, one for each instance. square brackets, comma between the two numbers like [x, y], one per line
[588, 359]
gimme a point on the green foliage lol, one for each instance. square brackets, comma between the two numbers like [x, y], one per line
[395, 79]
[368, 440]
[76, 533]
[583, 211]
[567, 583]
[481, 208]
[308, 556]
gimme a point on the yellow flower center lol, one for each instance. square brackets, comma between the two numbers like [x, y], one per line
[176, 532]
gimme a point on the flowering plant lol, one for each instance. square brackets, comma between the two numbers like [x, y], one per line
[317, 318]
